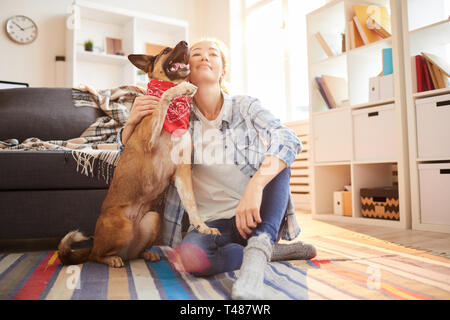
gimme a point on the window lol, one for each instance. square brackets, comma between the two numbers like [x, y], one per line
[275, 55]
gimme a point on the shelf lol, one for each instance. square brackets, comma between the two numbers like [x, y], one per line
[334, 59]
[96, 57]
[431, 93]
[363, 50]
[429, 37]
[375, 161]
[334, 163]
[372, 104]
[338, 109]
[432, 160]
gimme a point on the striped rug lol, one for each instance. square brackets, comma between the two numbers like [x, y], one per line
[345, 268]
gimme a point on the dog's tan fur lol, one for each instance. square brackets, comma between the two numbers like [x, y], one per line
[128, 223]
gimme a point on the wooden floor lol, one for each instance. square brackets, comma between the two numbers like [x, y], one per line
[432, 242]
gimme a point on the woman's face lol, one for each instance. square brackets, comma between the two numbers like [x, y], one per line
[205, 63]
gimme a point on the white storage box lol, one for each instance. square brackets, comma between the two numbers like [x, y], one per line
[374, 133]
[342, 203]
[332, 136]
[434, 184]
[433, 127]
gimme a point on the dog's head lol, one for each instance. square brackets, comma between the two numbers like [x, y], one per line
[171, 64]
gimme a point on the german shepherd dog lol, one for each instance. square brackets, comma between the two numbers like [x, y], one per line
[128, 223]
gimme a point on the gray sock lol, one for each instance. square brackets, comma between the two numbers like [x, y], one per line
[293, 251]
[250, 284]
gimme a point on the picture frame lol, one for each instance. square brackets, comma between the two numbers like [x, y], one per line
[113, 46]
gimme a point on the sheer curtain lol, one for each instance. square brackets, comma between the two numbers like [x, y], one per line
[276, 55]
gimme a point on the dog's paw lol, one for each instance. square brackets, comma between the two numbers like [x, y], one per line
[203, 228]
[150, 256]
[187, 89]
[116, 262]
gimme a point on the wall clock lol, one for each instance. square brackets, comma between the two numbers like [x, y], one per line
[21, 29]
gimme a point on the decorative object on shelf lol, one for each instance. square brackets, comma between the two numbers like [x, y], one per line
[343, 42]
[379, 21]
[342, 203]
[73, 20]
[380, 203]
[362, 13]
[88, 45]
[21, 29]
[114, 46]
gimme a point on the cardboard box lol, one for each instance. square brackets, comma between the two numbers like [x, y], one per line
[342, 203]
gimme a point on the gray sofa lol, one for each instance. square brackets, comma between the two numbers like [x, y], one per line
[42, 196]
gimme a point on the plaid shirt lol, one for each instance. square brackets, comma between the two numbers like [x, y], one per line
[251, 132]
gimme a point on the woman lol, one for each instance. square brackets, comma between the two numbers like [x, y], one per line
[240, 175]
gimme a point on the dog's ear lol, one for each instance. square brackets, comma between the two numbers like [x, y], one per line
[142, 61]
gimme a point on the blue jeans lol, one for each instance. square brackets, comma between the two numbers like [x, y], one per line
[225, 252]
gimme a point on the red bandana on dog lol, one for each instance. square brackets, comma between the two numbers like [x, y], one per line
[177, 118]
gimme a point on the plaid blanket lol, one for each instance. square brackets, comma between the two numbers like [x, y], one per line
[98, 141]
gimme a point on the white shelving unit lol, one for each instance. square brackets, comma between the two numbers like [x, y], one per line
[97, 22]
[335, 134]
[426, 27]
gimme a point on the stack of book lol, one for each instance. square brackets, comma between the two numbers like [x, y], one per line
[432, 72]
[333, 90]
[370, 24]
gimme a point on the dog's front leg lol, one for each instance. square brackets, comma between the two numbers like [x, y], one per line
[183, 183]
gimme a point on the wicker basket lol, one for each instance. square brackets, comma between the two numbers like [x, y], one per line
[380, 203]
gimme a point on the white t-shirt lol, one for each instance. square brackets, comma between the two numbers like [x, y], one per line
[218, 186]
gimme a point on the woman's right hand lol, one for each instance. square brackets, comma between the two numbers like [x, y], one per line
[142, 106]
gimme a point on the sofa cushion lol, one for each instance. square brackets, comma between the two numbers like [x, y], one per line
[43, 170]
[44, 113]
[48, 214]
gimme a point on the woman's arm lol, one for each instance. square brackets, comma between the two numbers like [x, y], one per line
[247, 212]
[283, 146]
[142, 106]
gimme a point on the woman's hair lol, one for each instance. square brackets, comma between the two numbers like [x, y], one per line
[224, 55]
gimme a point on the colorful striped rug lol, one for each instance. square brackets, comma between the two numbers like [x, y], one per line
[345, 268]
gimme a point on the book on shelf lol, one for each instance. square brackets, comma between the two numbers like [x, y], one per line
[441, 64]
[335, 89]
[362, 13]
[388, 64]
[330, 53]
[355, 40]
[432, 72]
[322, 91]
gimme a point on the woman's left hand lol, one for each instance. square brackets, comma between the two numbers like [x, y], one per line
[247, 211]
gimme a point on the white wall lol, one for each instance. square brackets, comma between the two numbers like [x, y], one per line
[35, 63]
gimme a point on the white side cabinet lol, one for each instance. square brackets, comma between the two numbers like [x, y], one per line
[426, 28]
[362, 143]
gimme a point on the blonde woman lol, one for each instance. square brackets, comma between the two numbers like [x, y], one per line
[241, 170]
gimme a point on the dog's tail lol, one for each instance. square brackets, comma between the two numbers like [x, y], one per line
[66, 255]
